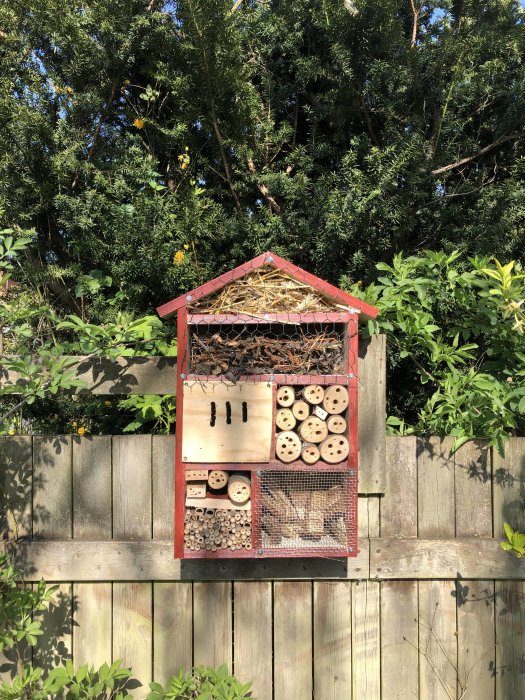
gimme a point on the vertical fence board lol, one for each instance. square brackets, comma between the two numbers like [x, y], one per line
[362, 516]
[436, 509]
[92, 488]
[212, 624]
[476, 643]
[163, 478]
[16, 477]
[253, 636]
[366, 652]
[172, 629]
[292, 640]
[132, 631]
[473, 491]
[510, 640]
[52, 487]
[55, 645]
[399, 639]
[509, 487]
[399, 504]
[372, 416]
[437, 640]
[332, 640]
[92, 628]
[132, 487]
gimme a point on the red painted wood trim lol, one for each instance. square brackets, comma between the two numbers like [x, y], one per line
[278, 378]
[353, 408]
[295, 319]
[335, 294]
[180, 482]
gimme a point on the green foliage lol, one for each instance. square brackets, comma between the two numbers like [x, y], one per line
[515, 542]
[158, 410]
[201, 683]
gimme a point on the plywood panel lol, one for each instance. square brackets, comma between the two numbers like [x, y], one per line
[372, 414]
[163, 473]
[510, 640]
[92, 629]
[436, 510]
[212, 432]
[132, 630]
[92, 487]
[476, 643]
[292, 640]
[132, 487]
[253, 636]
[52, 487]
[332, 640]
[366, 651]
[212, 624]
[16, 477]
[172, 629]
[473, 490]
[399, 640]
[509, 487]
[399, 504]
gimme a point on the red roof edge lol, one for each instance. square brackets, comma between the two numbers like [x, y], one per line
[337, 295]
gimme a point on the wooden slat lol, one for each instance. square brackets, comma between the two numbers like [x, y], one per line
[473, 558]
[436, 510]
[366, 645]
[132, 487]
[362, 516]
[373, 516]
[52, 487]
[510, 640]
[163, 476]
[437, 640]
[476, 652]
[16, 475]
[509, 487]
[292, 640]
[172, 629]
[473, 490]
[399, 504]
[372, 414]
[212, 624]
[332, 640]
[92, 488]
[132, 631]
[55, 645]
[92, 629]
[253, 636]
[399, 639]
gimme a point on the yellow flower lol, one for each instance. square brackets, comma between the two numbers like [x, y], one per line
[81, 431]
[11, 432]
[139, 123]
[186, 246]
[74, 424]
[69, 90]
[184, 160]
[178, 258]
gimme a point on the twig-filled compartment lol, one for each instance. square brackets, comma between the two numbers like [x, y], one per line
[311, 422]
[235, 351]
[307, 511]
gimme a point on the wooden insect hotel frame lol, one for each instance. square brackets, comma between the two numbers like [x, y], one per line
[266, 432]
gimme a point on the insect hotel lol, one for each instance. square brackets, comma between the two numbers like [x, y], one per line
[266, 432]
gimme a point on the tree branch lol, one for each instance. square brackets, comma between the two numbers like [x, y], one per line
[469, 159]
[264, 190]
[370, 128]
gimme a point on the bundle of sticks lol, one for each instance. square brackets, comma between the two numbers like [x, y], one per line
[253, 352]
[311, 516]
[212, 529]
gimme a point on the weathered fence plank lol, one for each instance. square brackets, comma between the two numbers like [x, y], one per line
[55, 646]
[366, 643]
[509, 487]
[473, 490]
[399, 504]
[92, 629]
[212, 624]
[172, 629]
[435, 488]
[16, 483]
[92, 488]
[52, 487]
[510, 640]
[292, 640]
[132, 487]
[253, 636]
[163, 478]
[372, 414]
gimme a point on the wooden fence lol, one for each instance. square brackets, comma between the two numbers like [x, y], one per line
[430, 608]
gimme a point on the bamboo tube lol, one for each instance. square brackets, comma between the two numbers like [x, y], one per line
[301, 410]
[313, 429]
[336, 399]
[313, 394]
[287, 446]
[285, 419]
[285, 396]
[336, 424]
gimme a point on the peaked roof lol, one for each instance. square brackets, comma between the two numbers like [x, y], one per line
[327, 290]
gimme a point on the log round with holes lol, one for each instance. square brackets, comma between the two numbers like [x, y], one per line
[239, 490]
[285, 396]
[314, 394]
[301, 410]
[335, 399]
[334, 449]
[313, 429]
[285, 419]
[336, 424]
[287, 446]
[310, 454]
[217, 479]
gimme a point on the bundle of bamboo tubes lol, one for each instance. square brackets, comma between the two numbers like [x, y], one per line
[212, 529]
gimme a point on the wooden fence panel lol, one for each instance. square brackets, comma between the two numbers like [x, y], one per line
[212, 624]
[163, 486]
[92, 630]
[172, 629]
[132, 487]
[510, 640]
[399, 504]
[509, 487]
[52, 488]
[473, 491]
[435, 488]
[92, 488]
[372, 414]
[16, 485]
[399, 639]
[366, 643]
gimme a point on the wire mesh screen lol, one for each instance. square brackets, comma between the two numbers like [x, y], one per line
[307, 512]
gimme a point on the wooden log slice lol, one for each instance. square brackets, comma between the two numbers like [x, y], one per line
[301, 410]
[285, 396]
[334, 449]
[285, 419]
[313, 429]
[314, 394]
[287, 446]
[239, 491]
[310, 454]
[335, 399]
[336, 424]
[217, 478]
